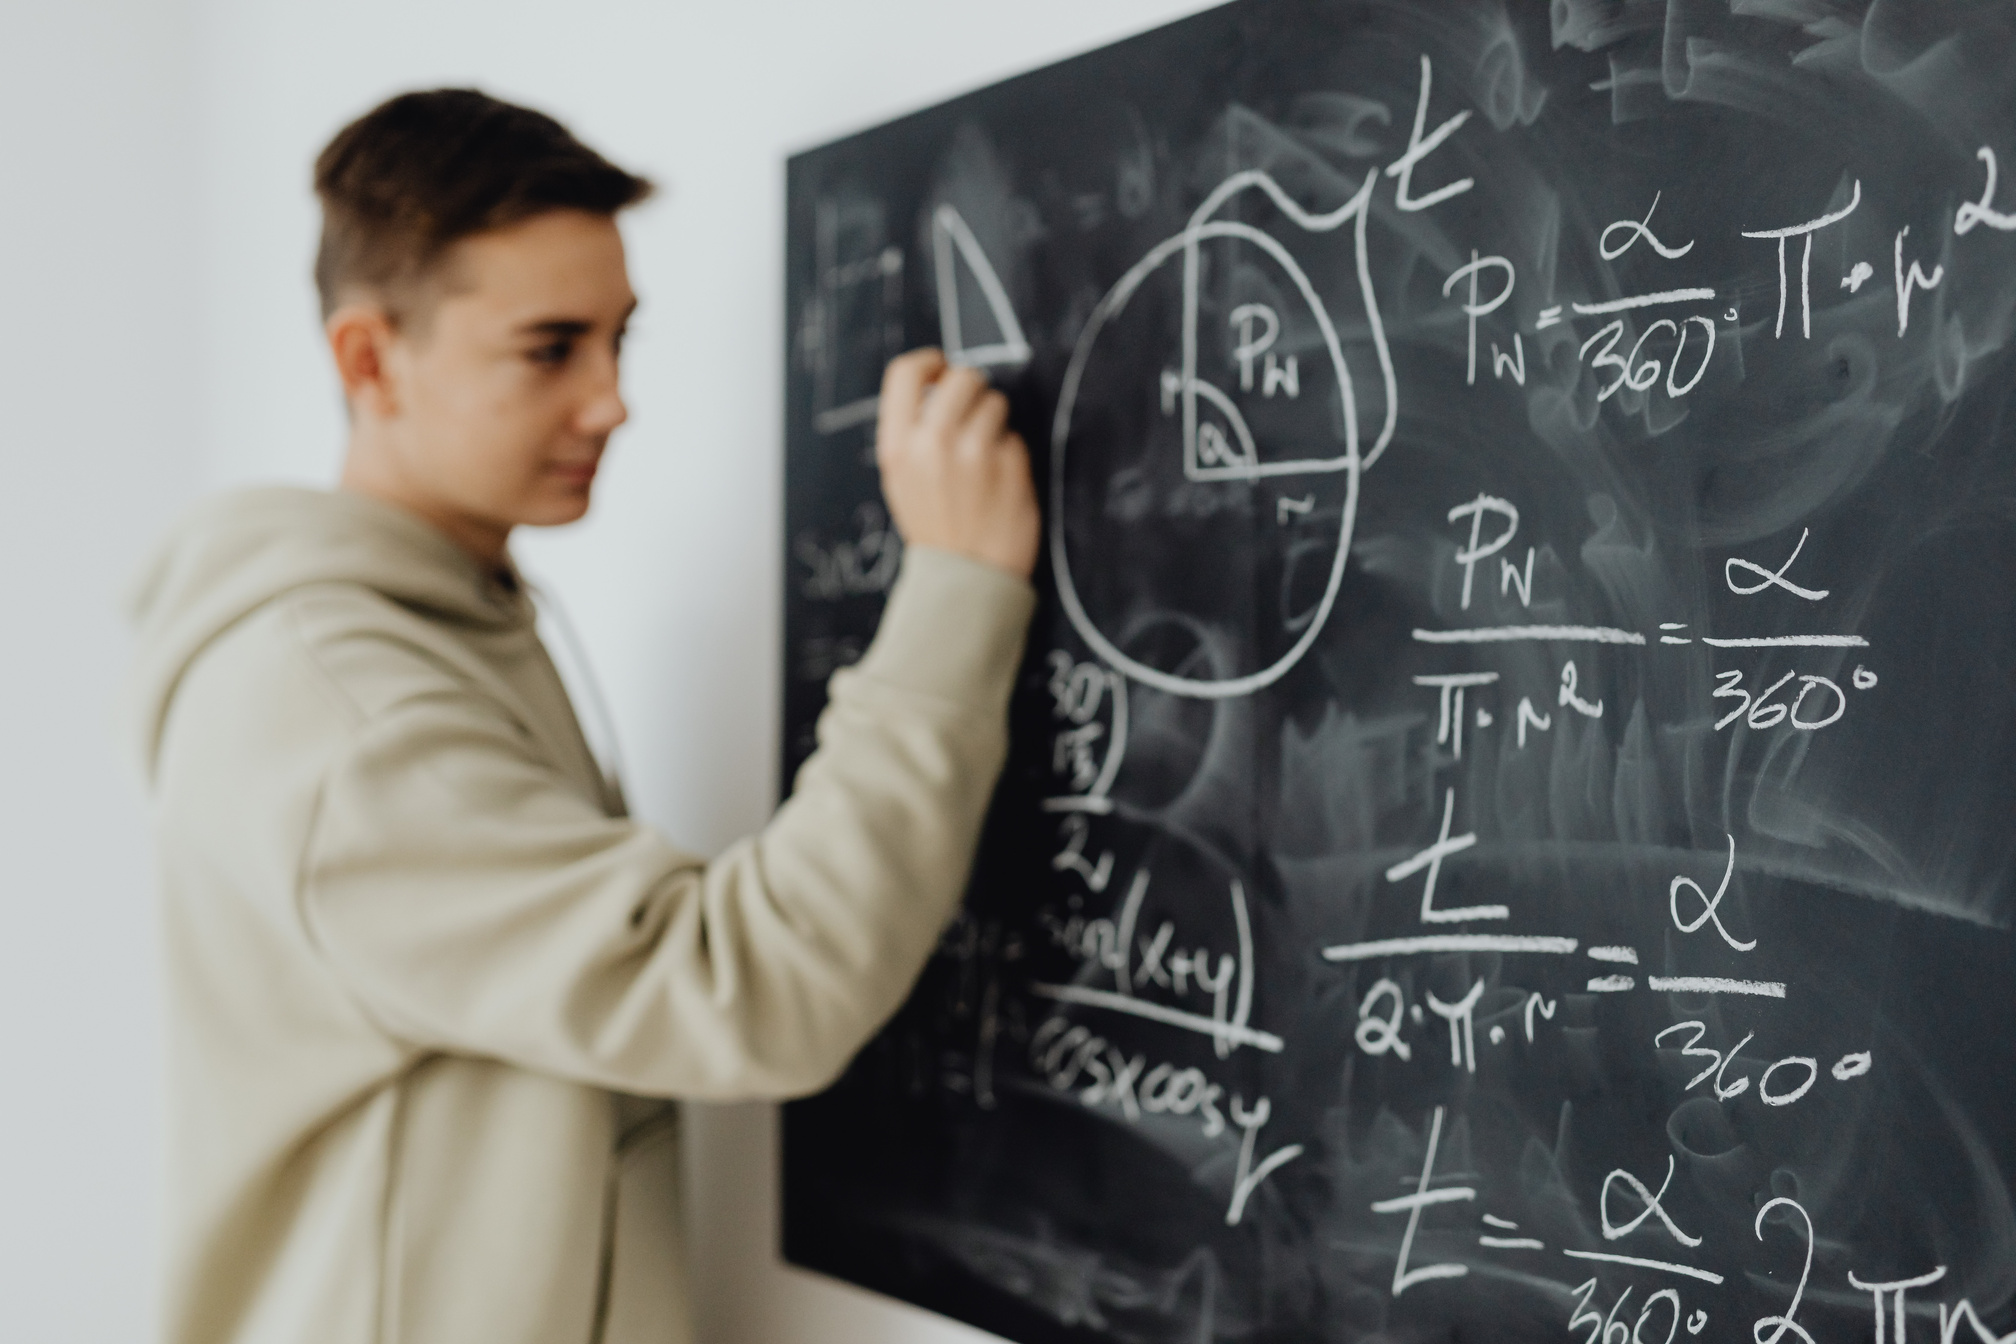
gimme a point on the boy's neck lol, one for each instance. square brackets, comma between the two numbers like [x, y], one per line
[371, 473]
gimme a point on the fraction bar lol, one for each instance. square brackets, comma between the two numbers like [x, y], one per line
[1791, 642]
[1643, 301]
[1078, 802]
[1705, 1275]
[1155, 1012]
[1455, 1194]
[1714, 984]
[1504, 634]
[1450, 942]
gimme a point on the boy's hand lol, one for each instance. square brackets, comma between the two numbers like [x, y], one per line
[956, 477]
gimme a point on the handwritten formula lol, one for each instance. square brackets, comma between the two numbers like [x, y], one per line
[1509, 834]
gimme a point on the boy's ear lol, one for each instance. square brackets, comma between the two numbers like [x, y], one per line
[360, 336]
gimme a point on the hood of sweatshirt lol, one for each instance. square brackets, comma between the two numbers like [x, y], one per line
[233, 554]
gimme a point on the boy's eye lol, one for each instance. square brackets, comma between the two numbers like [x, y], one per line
[551, 354]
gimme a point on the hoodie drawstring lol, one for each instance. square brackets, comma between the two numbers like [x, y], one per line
[577, 670]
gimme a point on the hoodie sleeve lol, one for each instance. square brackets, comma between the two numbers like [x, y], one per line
[474, 901]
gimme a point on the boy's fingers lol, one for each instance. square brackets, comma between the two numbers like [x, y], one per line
[1017, 454]
[904, 383]
[951, 397]
[984, 423]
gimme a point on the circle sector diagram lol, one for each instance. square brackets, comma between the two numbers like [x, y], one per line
[1207, 449]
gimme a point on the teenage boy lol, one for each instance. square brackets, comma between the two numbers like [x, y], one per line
[429, 988]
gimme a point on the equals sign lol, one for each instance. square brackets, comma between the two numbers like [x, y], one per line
[1509, 1243]
[1613, 984]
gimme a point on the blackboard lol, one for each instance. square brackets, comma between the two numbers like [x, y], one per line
[1509, 834]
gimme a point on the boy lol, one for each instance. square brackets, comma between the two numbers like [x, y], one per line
[429, 988]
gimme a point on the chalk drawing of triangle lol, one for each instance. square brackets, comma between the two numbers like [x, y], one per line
[951, 242]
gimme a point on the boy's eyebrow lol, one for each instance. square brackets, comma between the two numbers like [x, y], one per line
[557, 327]
[566, 327]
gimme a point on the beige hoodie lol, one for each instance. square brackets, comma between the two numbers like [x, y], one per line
[417, 956]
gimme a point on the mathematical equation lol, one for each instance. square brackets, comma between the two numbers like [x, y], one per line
[1134, 965]
[1488, 795]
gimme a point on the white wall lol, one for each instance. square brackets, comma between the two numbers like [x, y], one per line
[97, 373]
[160, 332]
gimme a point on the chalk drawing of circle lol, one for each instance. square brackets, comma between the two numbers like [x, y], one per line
[1166, 535]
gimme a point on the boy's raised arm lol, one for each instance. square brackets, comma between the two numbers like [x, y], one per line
[474, 902]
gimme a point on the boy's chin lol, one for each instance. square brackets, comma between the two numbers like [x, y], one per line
[556, 508]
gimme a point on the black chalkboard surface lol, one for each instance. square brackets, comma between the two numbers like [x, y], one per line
[1510, 829]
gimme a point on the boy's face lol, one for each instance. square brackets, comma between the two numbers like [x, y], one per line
[500, 399]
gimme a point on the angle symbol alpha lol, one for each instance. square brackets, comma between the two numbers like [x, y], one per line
[952, 242]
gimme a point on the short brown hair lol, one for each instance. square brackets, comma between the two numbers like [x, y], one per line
[421, 171]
